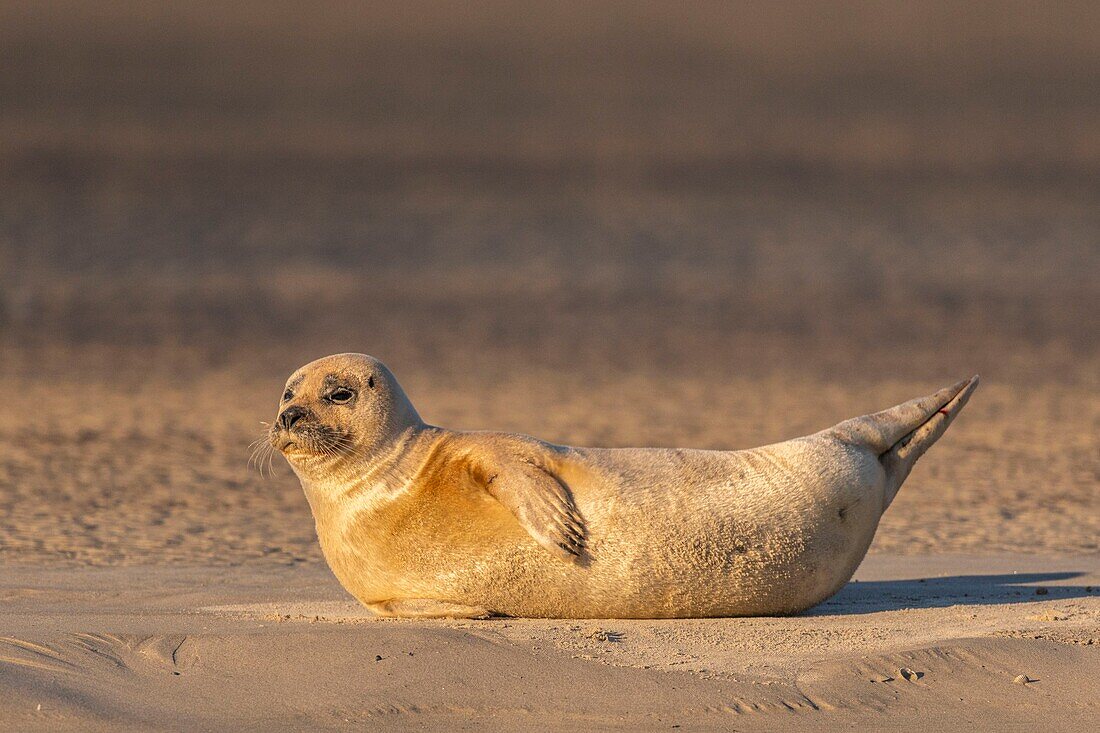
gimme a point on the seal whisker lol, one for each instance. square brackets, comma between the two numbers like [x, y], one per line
[261, 455]
[270, 460]
[336, 445]
[257, 448]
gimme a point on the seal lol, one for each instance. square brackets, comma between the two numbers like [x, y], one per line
[420, 521]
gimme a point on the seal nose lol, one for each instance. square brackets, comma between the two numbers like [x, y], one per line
[290, 416]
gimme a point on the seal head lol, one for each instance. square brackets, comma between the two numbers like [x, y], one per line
[338, 412]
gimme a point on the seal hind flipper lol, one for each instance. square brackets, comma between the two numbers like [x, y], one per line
[899, 460]
[880, 431]
[539, 501]
[902, 434]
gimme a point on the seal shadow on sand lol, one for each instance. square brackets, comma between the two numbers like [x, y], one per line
[953, 590]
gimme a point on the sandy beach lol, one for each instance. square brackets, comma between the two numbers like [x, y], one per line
[929, 641]
[716, 229]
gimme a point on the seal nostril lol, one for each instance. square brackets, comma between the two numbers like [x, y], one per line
[290, 416]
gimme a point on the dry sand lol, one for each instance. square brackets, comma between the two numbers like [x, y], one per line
[933, 643]
[606, 227]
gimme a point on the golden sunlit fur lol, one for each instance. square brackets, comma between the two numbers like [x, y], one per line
[417, 520]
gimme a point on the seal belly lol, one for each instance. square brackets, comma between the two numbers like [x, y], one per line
[767, 531]
[679, 533]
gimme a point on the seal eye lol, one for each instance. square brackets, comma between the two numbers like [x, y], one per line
[341, 396]
[287, 395]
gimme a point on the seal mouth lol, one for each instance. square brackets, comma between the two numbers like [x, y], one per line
[310, 441]
[293, 449]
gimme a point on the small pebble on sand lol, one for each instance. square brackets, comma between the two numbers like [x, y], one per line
[909, 675]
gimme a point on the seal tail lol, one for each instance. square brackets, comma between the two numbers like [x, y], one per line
[902, 434]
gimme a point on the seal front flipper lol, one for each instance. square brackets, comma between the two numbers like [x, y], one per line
[541, 503]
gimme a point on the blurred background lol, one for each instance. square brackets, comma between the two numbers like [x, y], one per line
[608, 223]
